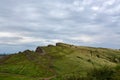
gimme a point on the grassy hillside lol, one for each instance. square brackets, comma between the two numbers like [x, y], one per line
[60, 62]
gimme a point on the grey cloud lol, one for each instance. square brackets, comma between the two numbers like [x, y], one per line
[59, 20]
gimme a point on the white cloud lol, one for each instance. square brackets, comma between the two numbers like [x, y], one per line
[28, 12]
[87, 2]
[84, 38]
[59, 14]
[7, 34]
[110, 2]
[76, 3]
[95, 8]
[30, 40]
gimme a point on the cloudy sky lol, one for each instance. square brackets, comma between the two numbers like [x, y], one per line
[25, 24]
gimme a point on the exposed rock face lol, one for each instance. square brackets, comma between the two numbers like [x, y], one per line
[64, 44]
[39, 50]
[59, 44]
[27, 51]
[50, 45]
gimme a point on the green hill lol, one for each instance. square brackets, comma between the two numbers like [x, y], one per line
[62, 62]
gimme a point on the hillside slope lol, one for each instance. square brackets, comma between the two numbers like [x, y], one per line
[54, 62]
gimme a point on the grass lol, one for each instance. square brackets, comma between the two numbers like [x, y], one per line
[8, 76]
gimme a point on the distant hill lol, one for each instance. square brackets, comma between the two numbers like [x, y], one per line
[61, 62]
[2, 55]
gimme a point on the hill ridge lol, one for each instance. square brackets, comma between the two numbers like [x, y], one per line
[60, 60]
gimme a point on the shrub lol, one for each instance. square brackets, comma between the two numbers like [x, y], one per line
[104, 73]
[116, 75]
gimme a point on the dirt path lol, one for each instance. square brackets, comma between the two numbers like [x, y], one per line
[48, 78]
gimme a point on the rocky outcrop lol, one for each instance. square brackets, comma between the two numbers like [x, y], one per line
[62, 44]
[59, 44]
[26, 51]
[50, 45]
[39, 50]
[65, 45]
